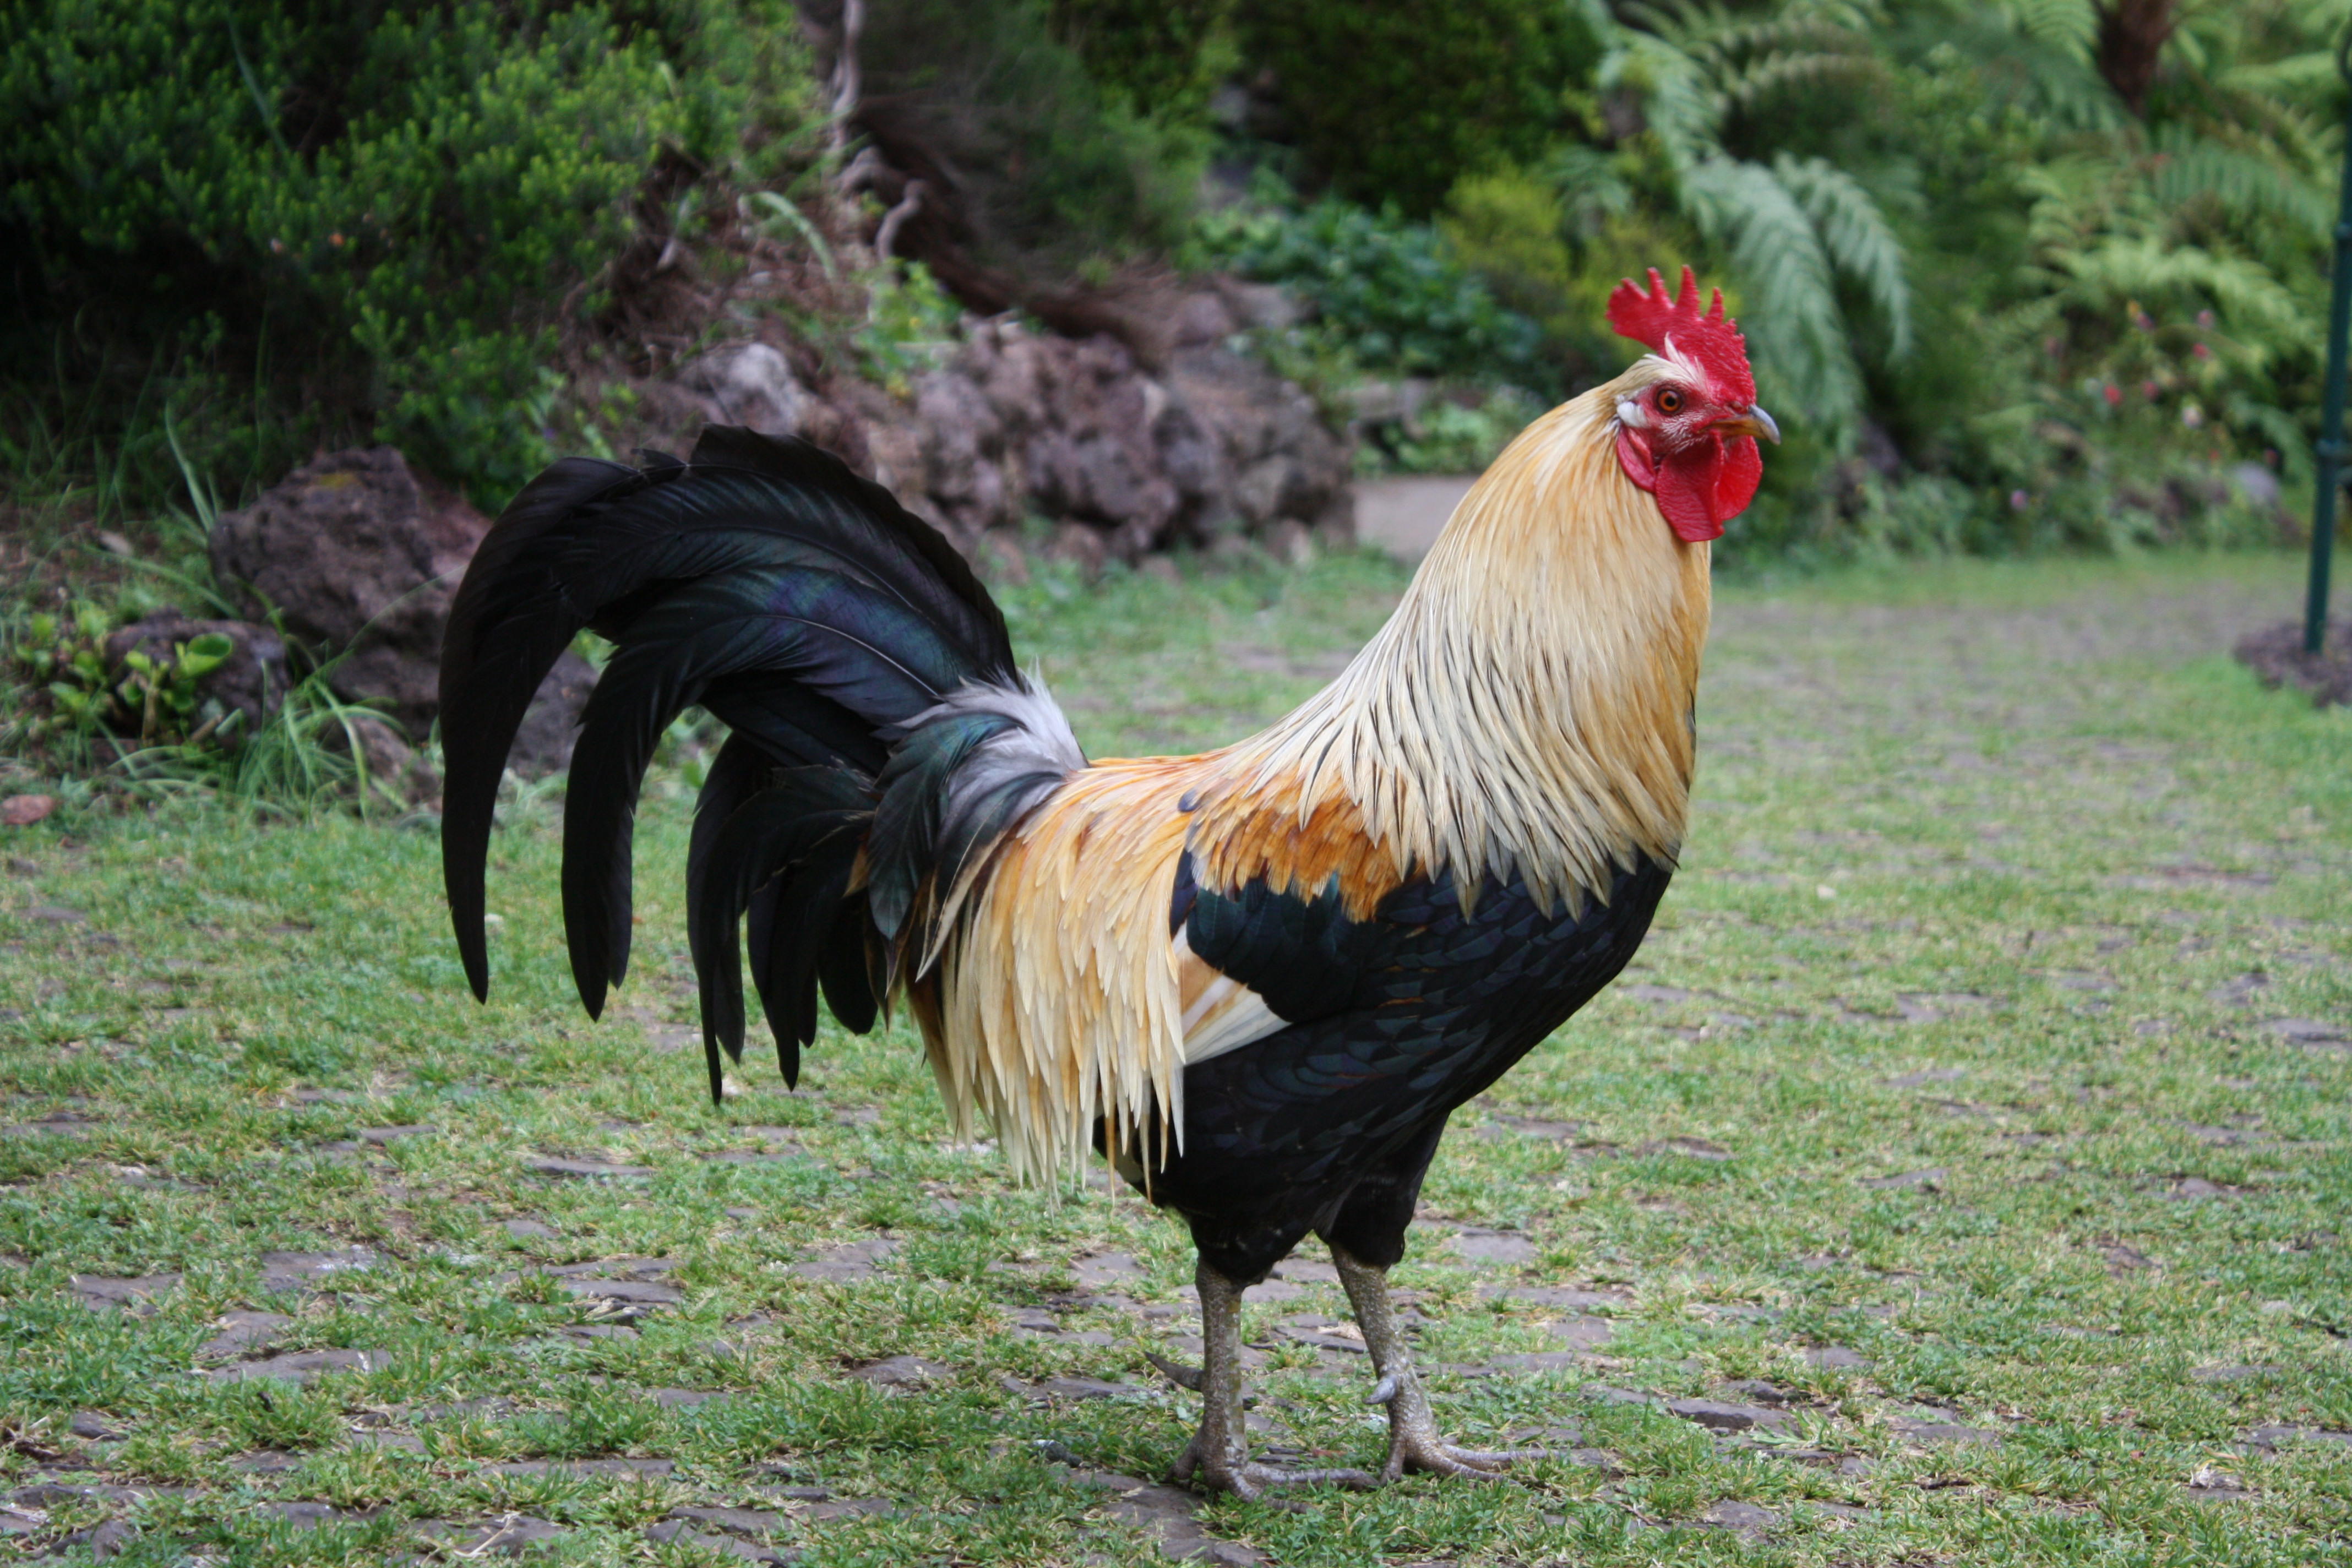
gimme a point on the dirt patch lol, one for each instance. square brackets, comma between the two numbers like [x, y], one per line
[2277, 656]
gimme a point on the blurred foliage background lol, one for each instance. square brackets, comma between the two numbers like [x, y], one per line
[2016, 274]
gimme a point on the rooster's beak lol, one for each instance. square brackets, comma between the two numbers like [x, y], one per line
[1754, 422]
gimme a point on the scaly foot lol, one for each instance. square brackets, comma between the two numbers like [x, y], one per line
[1415, 1445]
[1221, 1470]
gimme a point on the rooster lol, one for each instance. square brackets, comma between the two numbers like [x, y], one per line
[1258, 980]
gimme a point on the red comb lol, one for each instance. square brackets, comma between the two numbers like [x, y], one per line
[1677, 327]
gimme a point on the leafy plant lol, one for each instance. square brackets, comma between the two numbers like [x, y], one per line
[1060, 169]
[382, 212]
[1395, 103]
[1389, 292]
[909, 327]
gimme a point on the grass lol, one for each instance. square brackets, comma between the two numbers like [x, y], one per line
[1956, 1049]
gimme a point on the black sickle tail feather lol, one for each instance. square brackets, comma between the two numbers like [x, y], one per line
[783, 854]
[800, 604]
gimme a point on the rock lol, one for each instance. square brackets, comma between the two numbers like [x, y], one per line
[902, 1372]
[1085, 548]
[1059, 1389]
[390, 764]
[393, 1134]
[1726, 1418]
[1290, 541]
[307, 1515]
[1476, 1245]
[542, 744]
[1096, 457]
[1747, 1519]
[1584, 1334]
[578, 1470]
[595, 1289]
[735, 1520]
[2289, 1436]
[2308, 1031]
[1929, 1179]
[1945, 1432]
[303, 1366]
[2257, 484]
[355, 550]
[1171, 1517]
[680, 1532]
[587, 1170]
[1758, 1391]
[1107, 1270]
[104, 1540]
[100, 1291]
[241, 1331]
[750, 385]
[353, 553]
[23, 810]
[248, 683]
[310, 1270]
[1562, 1296]
[508, 1536]
[855, 1260]
[1019, 423]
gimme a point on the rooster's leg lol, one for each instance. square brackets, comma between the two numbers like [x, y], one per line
[1219, 1452]
[1413, 1440]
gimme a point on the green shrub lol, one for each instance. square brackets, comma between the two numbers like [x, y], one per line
[1166, 56]
[1395, 101]
[383, 210]
[1055, 171]
[1388, 293]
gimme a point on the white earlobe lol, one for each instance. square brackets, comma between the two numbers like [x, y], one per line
[1629, 414]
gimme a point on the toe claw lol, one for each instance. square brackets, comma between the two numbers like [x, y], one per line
[1177, 1372]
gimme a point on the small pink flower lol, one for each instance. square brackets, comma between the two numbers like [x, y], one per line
[2201, 351]
[2204, 318]
[2017, 501]
[2153, 391]
[2115, 395]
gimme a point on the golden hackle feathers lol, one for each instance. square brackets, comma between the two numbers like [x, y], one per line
[1059, 1006]
[1527, 710]
[1527, 707]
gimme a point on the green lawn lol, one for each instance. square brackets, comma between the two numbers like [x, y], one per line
[1971, 1139]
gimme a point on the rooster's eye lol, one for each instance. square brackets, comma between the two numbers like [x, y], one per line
[1669, 401]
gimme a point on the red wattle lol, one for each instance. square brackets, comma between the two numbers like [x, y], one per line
[1743, 470]
[1700, 490]
[1686, 490]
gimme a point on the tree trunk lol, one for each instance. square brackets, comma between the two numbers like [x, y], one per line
[2131, 35]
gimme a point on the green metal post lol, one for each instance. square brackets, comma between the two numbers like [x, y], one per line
[2330, 448]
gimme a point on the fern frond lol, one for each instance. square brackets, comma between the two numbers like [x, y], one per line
[2311, 73]
[2189, 167]
[1682, 107]
[2147, 267]
[1856, 238]
[1747, 85]
[2042, 62]
[1797, 334]
[2069, 27]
